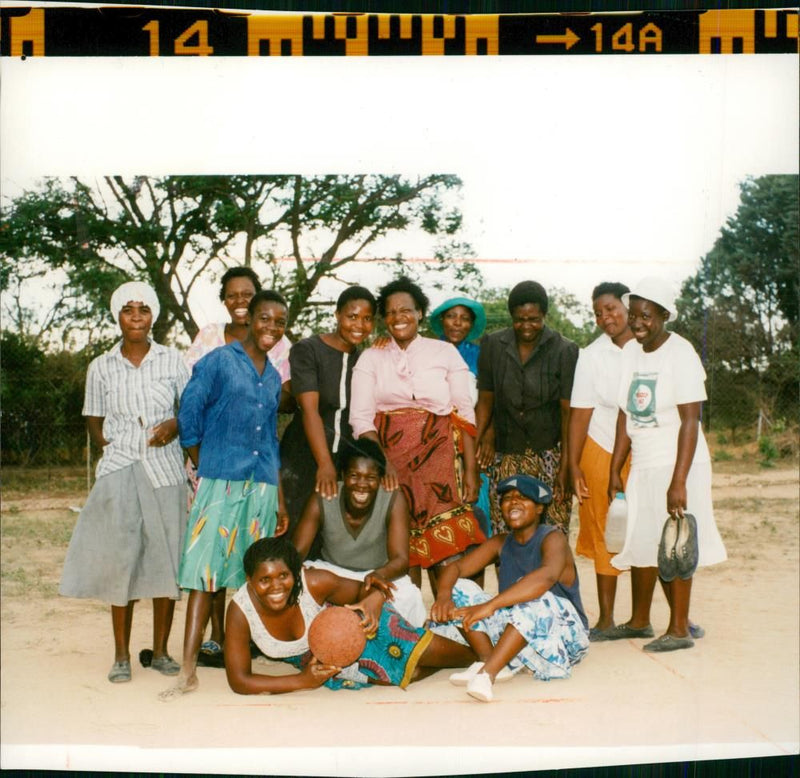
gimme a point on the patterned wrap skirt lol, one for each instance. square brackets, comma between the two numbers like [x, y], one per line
[555, 635]
[390, 657]
[127, 540]
[540, 464]
[227, 517]
[426, 450]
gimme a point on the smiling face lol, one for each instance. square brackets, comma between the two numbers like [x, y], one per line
[361, 479]
[135, 320]
[528, 322]
[268, 323]
[238, 293]
[354, 322]
[520, 512]
[647, 321]
[402, 318]
[610, 315]
[456, 323]
[271, 584]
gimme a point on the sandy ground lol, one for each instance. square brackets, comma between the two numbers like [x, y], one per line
[735, 694]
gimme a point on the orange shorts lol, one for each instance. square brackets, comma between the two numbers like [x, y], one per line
[591, 543]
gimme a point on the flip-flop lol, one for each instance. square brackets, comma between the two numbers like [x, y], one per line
[211, 647]
[621, 632]
[667, 643]
[667, 564]
[686, 549]
[120, 672]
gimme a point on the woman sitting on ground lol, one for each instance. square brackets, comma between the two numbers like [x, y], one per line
[276, 607]
[364, 531]
[537, 619]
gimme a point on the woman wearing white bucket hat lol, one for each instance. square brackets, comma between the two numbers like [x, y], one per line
[660, 397]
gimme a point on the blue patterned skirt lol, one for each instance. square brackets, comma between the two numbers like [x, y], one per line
[555, 634]
[390, 656]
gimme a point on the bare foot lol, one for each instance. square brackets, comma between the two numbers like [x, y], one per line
[182, 686]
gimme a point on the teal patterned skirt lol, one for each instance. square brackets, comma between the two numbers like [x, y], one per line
[227, 517]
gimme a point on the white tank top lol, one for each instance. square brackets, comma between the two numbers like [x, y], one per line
[270, 646]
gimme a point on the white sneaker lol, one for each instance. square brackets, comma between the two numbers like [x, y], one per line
[480, 687]
[463, 677]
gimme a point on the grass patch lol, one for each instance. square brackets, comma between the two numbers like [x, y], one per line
[54, 531]
[52, 481]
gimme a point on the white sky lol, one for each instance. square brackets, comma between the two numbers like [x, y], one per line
[581, 169]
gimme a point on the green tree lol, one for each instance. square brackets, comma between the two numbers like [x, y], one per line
[85, 238]
[741, 308]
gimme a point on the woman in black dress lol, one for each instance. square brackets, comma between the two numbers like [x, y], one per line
[321, 367]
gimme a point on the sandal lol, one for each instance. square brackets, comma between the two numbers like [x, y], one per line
[120, 672]
[165, 665]
[667, 643]
[622, 631]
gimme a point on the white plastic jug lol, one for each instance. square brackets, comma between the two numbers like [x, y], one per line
[616, 523]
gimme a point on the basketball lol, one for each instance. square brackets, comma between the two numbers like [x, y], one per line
[336, 637]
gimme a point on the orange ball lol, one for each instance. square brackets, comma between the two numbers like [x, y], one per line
[336, 636]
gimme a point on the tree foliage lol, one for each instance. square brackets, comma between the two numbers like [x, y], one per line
[741, 307]
[87, 237]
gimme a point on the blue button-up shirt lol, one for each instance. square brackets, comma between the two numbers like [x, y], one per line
[231, 412]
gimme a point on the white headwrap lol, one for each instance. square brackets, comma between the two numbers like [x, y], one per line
[657, 290]
[134, 292]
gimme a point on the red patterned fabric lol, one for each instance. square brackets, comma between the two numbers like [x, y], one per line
[425, 449]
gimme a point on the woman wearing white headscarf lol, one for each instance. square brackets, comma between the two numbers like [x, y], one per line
[126, 543]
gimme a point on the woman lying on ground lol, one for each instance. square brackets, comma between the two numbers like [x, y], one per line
[537, 620]
[276, 607]
[364, 531]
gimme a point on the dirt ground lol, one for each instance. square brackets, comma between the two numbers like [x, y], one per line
[735, 694]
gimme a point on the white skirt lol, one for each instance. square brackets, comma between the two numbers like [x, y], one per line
[646, 494]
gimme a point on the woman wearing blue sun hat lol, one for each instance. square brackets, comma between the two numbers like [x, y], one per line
[461, 321]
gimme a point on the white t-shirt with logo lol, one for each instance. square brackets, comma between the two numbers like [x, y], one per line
[652, 386]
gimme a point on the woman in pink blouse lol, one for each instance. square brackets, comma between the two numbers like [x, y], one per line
[413, 398]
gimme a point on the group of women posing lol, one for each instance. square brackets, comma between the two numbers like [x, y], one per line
[439, 411]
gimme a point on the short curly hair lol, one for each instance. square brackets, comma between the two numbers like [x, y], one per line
[526, 292]
[238, 272]
[402, 284]
[610, 287]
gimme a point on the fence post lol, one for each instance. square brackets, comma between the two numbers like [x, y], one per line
[88, 463]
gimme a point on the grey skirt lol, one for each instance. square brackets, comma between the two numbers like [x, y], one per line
[126, 541]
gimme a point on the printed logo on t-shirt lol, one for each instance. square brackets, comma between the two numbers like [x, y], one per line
[642, 400]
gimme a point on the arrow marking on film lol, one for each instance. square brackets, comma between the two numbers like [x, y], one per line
[569, 39]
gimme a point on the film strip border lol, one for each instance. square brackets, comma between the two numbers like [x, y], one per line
[138, 31]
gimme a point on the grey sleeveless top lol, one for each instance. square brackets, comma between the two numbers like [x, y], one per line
[365, 551]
